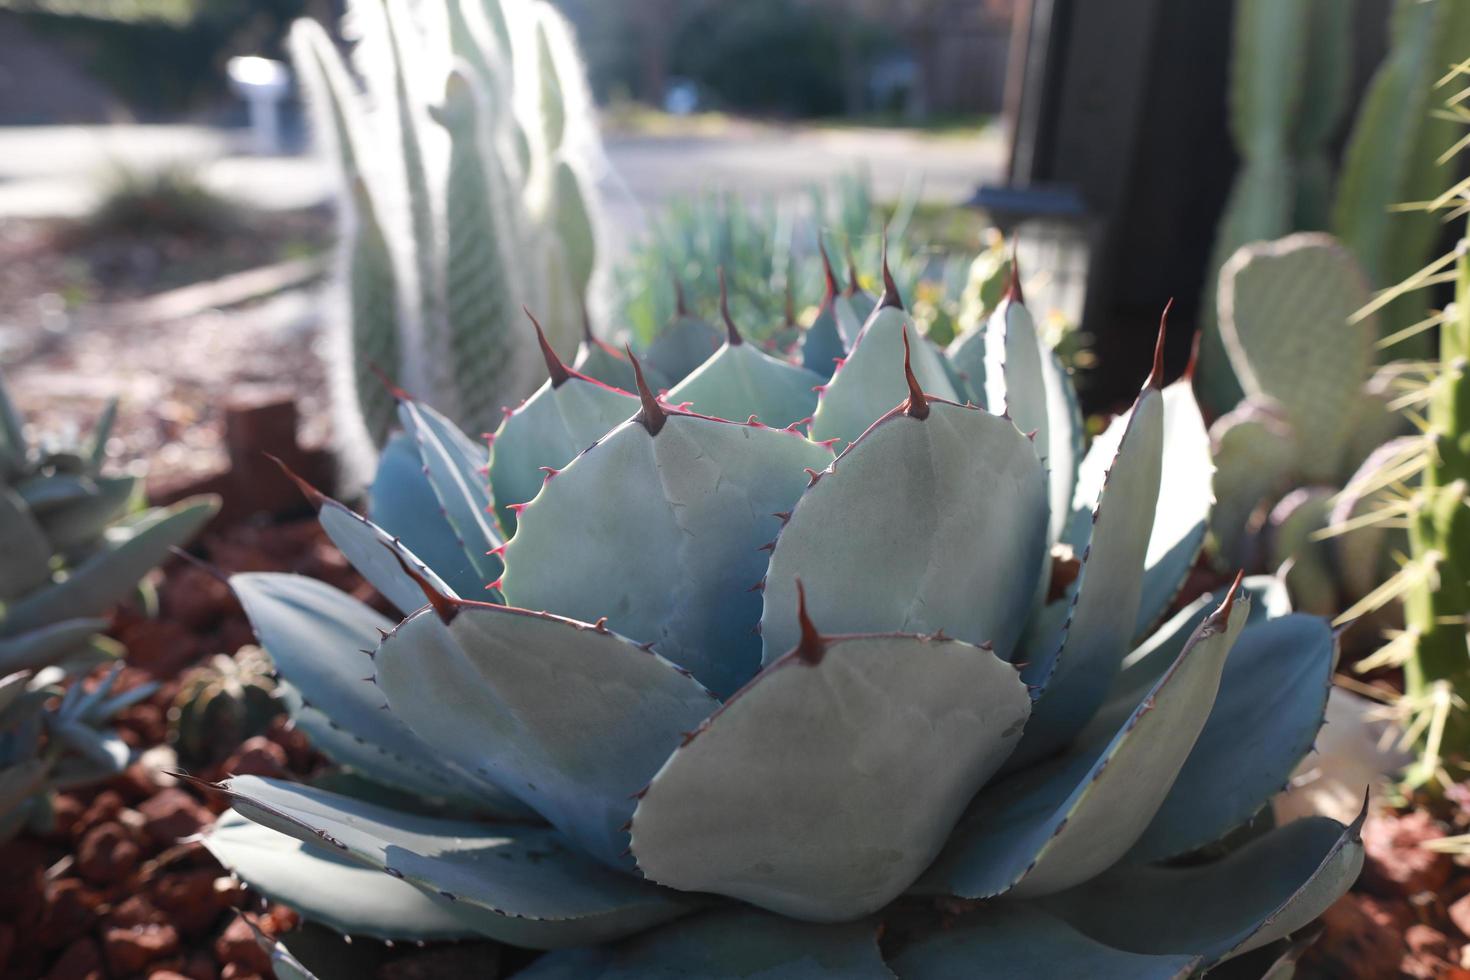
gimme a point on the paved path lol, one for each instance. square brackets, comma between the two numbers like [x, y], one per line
[55, 171]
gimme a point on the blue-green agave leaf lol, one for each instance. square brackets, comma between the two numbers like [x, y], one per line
[1272, 699]
[1269, 888]
[78, 524]
[1014, 941]
[456, 468]
[600, 361]
[329, 887]
[402, 502]
[946, 513]
[661, 534]
[888, 735]
[728, 944]
[1062, 822]
[47, 645]
[103, 579]
[966, 357]
[822, 345]
[684, 344]
[870, 381]
[25, 561]
[523, 885]
[1073, 672]
[741, 381]
[563, 417]
[567, 716]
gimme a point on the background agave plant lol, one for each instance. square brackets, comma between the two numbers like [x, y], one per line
[72, 549]
[466, 166]
[684, 695]
[1315, 412]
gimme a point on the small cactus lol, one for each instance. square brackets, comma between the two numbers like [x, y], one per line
[221, 704]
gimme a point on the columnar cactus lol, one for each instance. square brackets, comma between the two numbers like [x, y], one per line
[73, 547]
[722, 703]
[467, 168]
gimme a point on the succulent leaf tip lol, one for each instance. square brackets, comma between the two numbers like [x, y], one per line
[890, 288]
[1013, 284]
[811, 647]
[827, 271]
[1156, 376]
[444, 607]
[732, 333]
[917, 405]
[308, 491]
[554, 366]
[652, 415]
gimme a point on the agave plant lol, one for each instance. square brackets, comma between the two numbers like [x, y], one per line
[466, 168]
[71, 550]
[685, 696]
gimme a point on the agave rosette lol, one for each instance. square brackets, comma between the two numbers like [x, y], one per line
[686, 696]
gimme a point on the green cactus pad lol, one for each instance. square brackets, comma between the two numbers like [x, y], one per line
[571, 718]
[1066, 820]
[1268, 889]
[1309, 564]
[891, 733]
[678, 519]
[870, 382]
[1255, 455]
[916, 502]
[518, 884]
[1273, 695]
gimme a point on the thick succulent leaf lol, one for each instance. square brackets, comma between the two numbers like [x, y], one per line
[1066, 433]
[946, 516]
[870, 381]
[602, 362]
[320, 640]
[92, 587]
[1365, 557]
[1272, 699]
[1013, 941]
[1064, 821]
[522, 885]
[828, 784]
[25, 561]
[966, 355]
[455, 467]
[570, 718]
[1284, 319]
[1013, 382]
[48, 645]
[661, 535]
[548, 430]
[1267, 889]
[741, 380]
[1073, 672]
[822, 345]
[401, 501]
[729, 944]
[378, 556]
[77, 524]
[683, 345]
[329, 888]
[1291, 526]
[1255, 455]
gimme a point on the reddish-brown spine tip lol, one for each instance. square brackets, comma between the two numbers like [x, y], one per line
[554, 366]
[444, 607]
[652, 414]
[1013, 284]
[308, 491]
[387, 383]
[852, 274]
[1225, 607]
[732, 333]
[811, 647]
[587, 334]
[681, 302]
[1189, 368]
[1156, 376]
[917, 406]
[890, 288]
[827, 270]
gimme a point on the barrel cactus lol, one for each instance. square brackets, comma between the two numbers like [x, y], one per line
[679, 695]
[467, 166]
[73, 547]
[221, 704]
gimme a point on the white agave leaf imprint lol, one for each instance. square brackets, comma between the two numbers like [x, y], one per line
[945, 518]
[831, 781]
[1062, 822]
[659, 528]
[566, 716]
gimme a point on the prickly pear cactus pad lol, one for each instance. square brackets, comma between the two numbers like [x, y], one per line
[763, 687]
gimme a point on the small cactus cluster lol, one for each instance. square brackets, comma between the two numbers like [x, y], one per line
[1315, 413]
[739, 680]
[221, 704]
[1289, 85]
[73, 547]
[467, 168]
[1421, 484]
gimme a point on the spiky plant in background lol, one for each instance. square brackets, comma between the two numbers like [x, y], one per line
[1424, 488]
[74, 545]
[467, 167]
[725, 704]
[1315, 411]
[1289, 83]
